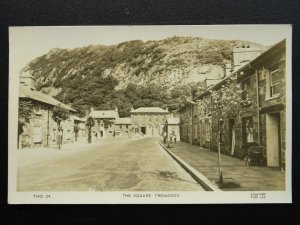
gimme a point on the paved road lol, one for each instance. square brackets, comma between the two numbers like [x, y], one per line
[115, 164]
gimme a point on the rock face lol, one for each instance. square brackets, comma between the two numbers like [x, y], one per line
[160, 73]
[169, 62]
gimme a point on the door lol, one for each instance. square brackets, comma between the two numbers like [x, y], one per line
[231, 136]
[143, 130]
[37, 134]
[273, 139]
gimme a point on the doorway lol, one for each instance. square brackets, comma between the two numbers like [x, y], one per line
[143, 130]
[273, 139]
[231, 127]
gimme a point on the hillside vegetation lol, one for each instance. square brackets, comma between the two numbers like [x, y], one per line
[134, 73]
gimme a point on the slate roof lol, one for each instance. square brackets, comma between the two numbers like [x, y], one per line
[126, 120]
[149, 110]
[173, 121]
[76, 118]
[41, 97]
[104, 114]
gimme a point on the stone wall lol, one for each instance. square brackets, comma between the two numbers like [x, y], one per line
[41, 130]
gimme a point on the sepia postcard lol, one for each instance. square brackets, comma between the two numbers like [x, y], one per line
[172, 114]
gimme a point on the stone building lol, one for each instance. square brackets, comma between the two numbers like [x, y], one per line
[41, 130]
[149, 121]
[123, 126]
[258, 121]
[172, 128]
[104, 122]
[264, 83]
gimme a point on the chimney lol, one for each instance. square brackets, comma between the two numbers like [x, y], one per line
[116, 109]
[27, 81]
[167, 109]
[92, 111]
[132, 108]
[243, 55]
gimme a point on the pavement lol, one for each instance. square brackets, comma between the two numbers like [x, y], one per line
[108, 164]
[236, 174]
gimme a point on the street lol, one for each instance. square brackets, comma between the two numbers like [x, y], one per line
[108, 164]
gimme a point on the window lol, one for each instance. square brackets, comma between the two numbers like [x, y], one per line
[120, 126]
[274, 81]
[126, 126]
[68, 134]
[207, 131]
[246, 88]
[37, 109]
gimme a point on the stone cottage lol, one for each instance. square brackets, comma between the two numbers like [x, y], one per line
[40, 129]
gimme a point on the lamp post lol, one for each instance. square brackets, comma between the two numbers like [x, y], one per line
[219, 152]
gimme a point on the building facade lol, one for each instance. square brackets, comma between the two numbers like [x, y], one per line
[149, 121]
[40, 130]
[123, 126]
[259, 119]
[173, 128]
[104, 122]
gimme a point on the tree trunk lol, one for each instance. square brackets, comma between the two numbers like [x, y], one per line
[90, 135]
[219, 158]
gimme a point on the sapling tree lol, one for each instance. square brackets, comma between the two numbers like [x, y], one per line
[60, 114]
[90, 123]
[224, 99]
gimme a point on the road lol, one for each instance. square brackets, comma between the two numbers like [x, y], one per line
[112, 164]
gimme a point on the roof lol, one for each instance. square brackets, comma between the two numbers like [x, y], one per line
[149, 110]
[126, 120]
[41, 97]
[258, 59]
[104, 114]
[173, 121]
[273, 50]
[76, 118]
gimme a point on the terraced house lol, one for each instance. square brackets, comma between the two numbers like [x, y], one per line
[257, 123]
[41, 130]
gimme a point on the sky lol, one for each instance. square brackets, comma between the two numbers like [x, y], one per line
[28, 43]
